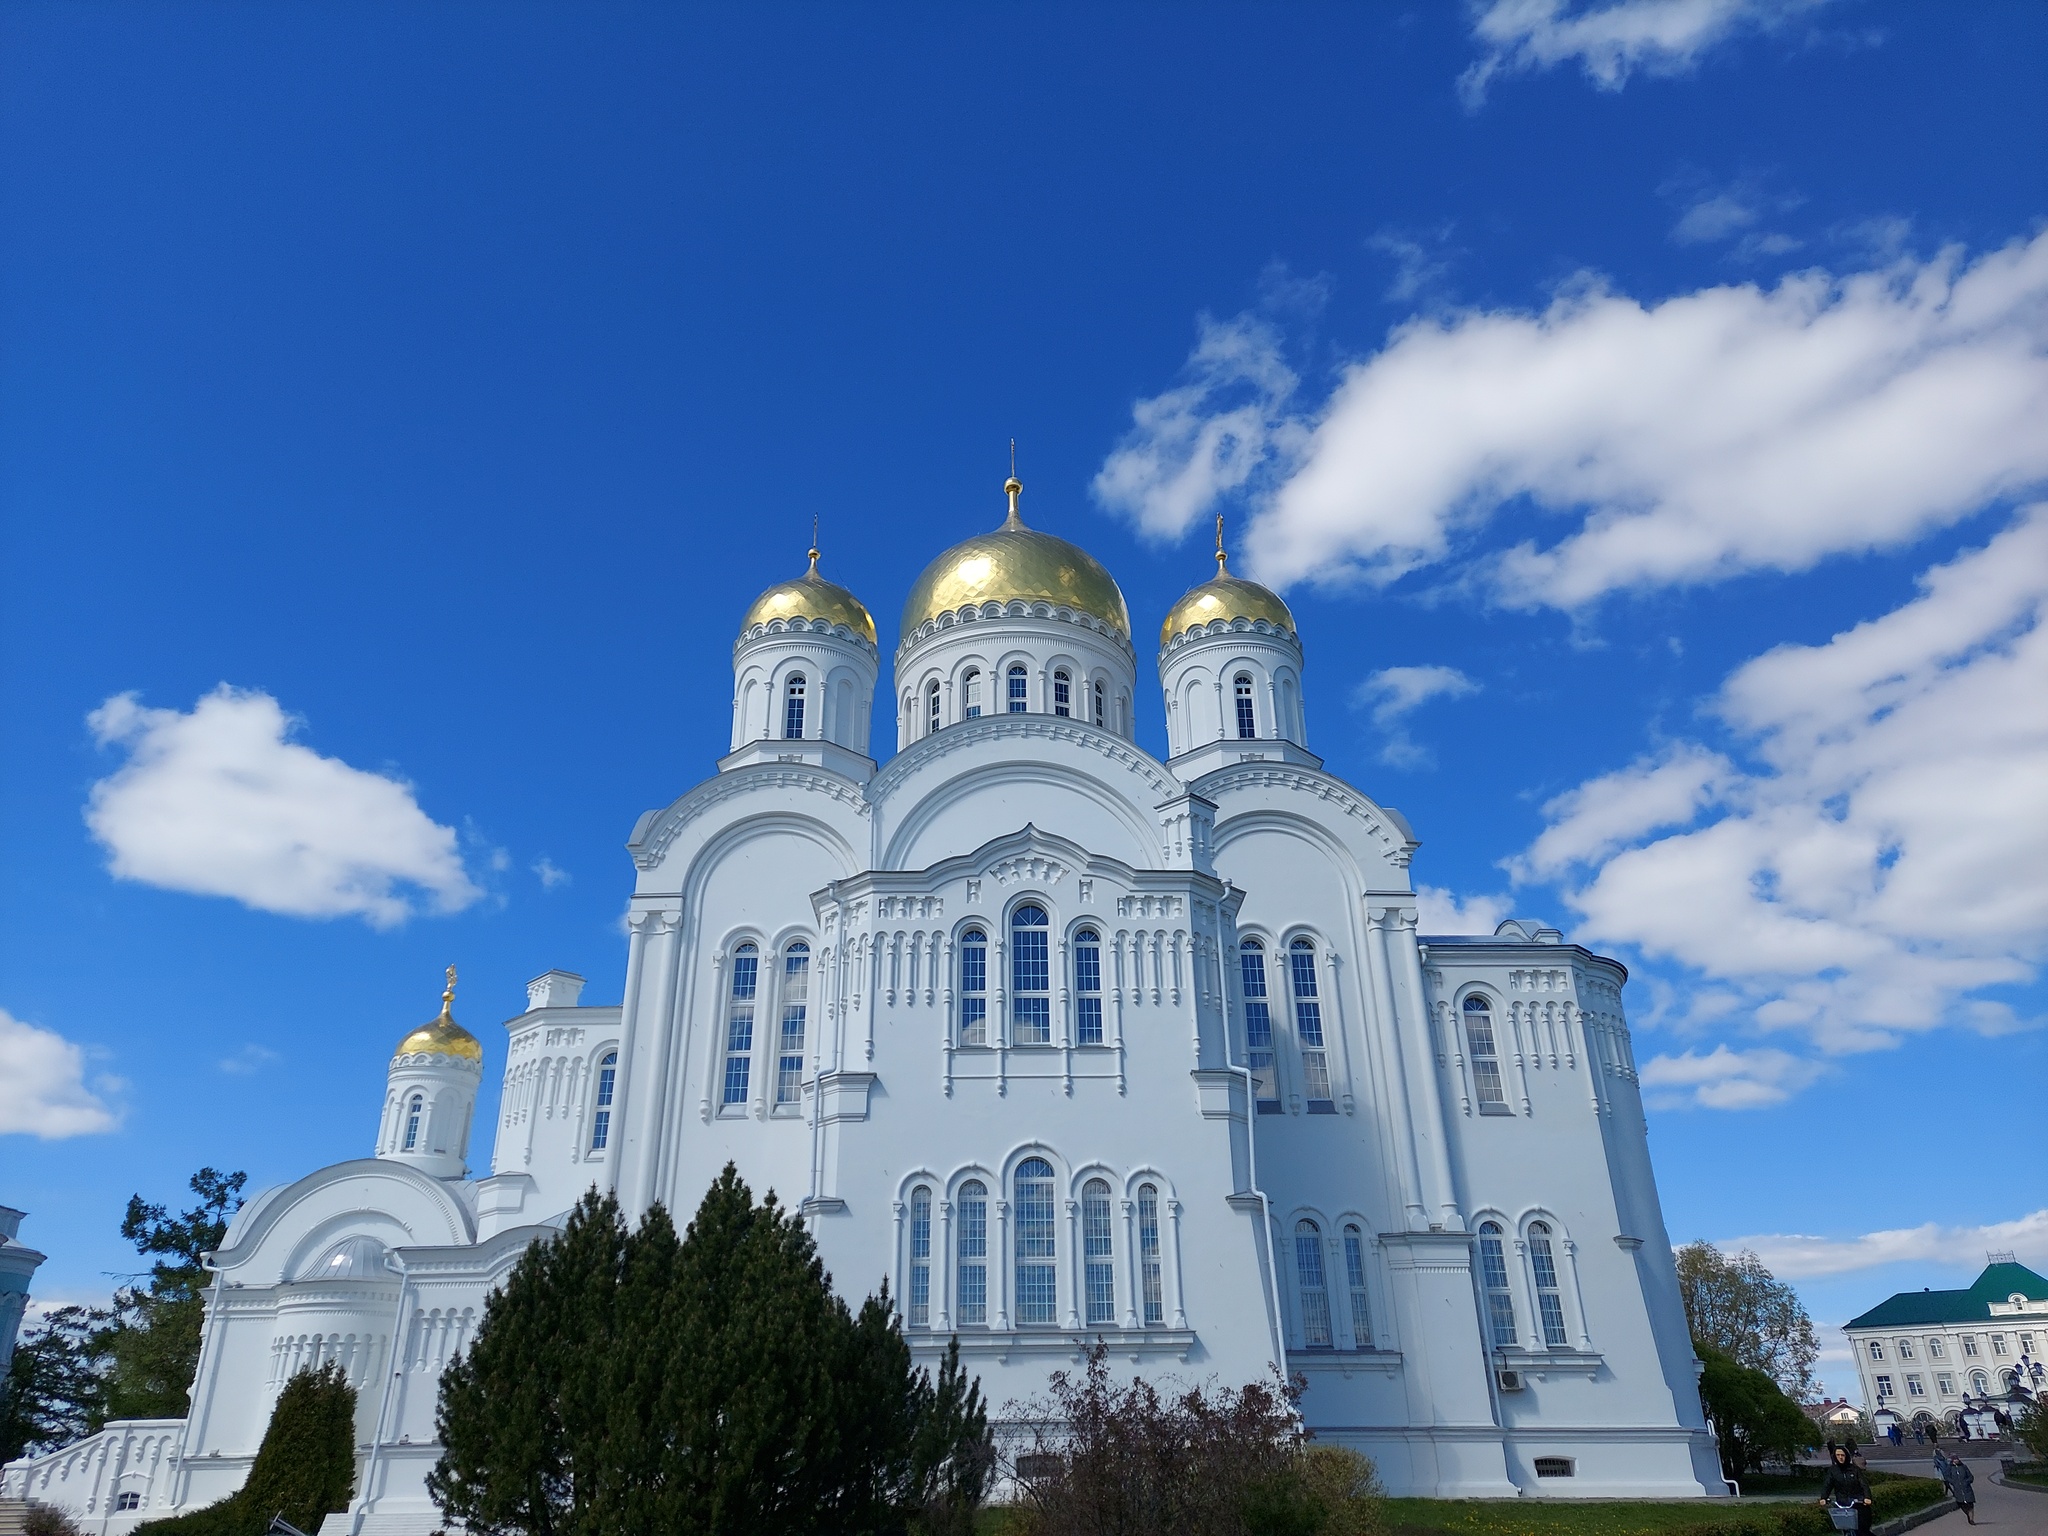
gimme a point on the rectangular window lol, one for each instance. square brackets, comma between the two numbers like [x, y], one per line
[1016, 695]
[789, 1060]
[601, 1122]
[793, 711]
[1095, 1252]
[2026, 1343]
[1148, 1252]
[1308, 1025]
[973, 990]
[1037, 1282]
[1354, 1273]
[1088, 990]
[1062, 695]
[1998, 1343]
[1098, 703]
[1493, 1273]
[920, 1258]
[1548, 1303]
[1030, 981]
[1315, 1295]
[1946, 1383]
[973, 1255]
[1258, 1026]
[974, 695]
[1970, 1345]
[739, 1026]
[1485, 1055]
[931, 709]
[1914, 1388]
[1884, 1386]
[1247, 726]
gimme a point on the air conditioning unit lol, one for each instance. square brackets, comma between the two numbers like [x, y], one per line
[1510, 1381]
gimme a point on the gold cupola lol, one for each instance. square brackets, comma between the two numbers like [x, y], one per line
[811, 596]
[1014, 563]
[442, 1036]
[1227, 597]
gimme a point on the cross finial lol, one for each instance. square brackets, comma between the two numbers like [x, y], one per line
[814, 543]
[1014, 488]
[1221, 568]
[448, 997]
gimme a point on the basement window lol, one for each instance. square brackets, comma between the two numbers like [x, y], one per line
[1553, 1466]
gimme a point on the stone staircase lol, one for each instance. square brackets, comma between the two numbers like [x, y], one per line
[13, 1516]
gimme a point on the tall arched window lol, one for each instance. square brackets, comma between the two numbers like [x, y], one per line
[796, 998]
[1493, 1274]
[1979, 1383]
[1098, 704]
[1087, 988]
[1037, 1254]
[931, 708]
[1315, 1290]
[1018, 683]
[1247, 722]
[793, 708]
[413, 1111]
[601, 1121]
[972, 1217]
[739, 1024]
[1030, 977]
[1549, 1305]
[1354, 1275]
[920, 1257]
[1308, 1027]
[1485, 1053]
[974, 987]
[1148, 1252]
[1096, 1252]
[1062, 693]
[1258, 1025]
[970, 688]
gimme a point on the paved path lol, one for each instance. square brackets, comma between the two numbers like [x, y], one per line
[2009, 1510]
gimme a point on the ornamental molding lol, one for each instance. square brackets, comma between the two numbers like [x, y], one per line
[968, 733]
[1321, 786]
[437, 1060]
[1195, 633]
[1016, 608]
[1031, 868]
[714, 792]
[776, 628]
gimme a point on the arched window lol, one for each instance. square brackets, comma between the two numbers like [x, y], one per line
[1098, 704]
[739, 1024]
[1354, 1275]
[1315, 1291]
[1258, 1025]
[931, 708]
[1037, 1274]
[1148, 1252]
[796, 997]
[1493, 1273]
[920, 1257]
[973, 1256]
[1017, 684]
[1062, 693]
[793, 708]
[1247, 723]
[1485, 1054]
[1087, 988]
[1308, 1027]
[1549, 1305]
[970, 686]
[601, 1121]
[413, 1111]
[1095, 1252]
[1030, 977]
[974, 987]
[1979, 1383]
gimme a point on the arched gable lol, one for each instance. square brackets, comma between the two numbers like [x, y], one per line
[372, 1197]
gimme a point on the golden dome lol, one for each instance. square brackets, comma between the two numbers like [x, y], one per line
[1011, 563]
[1224, 596]
[442, 1036]
[811, 596]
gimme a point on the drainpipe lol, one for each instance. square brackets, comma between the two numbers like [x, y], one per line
[1251, 1142]
[391, 1262]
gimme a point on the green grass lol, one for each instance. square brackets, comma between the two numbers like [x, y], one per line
[2032, 1473]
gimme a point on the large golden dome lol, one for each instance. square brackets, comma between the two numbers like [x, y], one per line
[1224, 596]
[1014, 562]
[442, 1036]
[811, 596]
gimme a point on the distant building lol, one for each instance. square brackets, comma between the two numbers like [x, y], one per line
[17, 1263]
[1936, 1356]
[1834, 1413]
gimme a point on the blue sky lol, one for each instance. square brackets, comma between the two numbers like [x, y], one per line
[1642, 405]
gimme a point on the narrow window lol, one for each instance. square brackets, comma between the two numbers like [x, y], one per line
[1905, 1349]
[1998, 1343]
[1016, 694]
[1258, 1025]
[1308, 1026]
[793, 709]
[1884, 1387]
[1969, 1344]
[739, 1023]
[974, 987]
[1979, 1382]
[1062, 694]
[1354, 1275]
[412, 1122]
[796, 993]
[1914, 1388]
[1485, 1055]
[1315, 1293]
[931, 708]
[973, 1219]
[1030, 977]
[1148, 1252]
[1095, 1251]
[972, 687]
[1934, 1349]
[1087, 988]
[1877, 1350]
[1098, 703]
[1247, 724]
[601, 1122]
[1946, 1383]
[1493, 1271]
[1037, 1282]
[1548, 1302]
[920, 1257]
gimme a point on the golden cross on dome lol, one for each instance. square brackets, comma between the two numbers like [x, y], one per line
[1014, 488]
[1221, 568]
[814, 543]
[448, 997]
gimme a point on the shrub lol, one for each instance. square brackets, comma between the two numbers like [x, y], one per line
[46, 1520]
[304, 1469]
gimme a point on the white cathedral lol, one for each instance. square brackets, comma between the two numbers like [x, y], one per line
[1068, 1043]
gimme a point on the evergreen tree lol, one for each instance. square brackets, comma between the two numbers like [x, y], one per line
[53, 1393]
[951, 1453]
[149, 1342]
[304, 1469]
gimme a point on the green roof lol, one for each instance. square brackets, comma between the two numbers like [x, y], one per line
[1999, 1282]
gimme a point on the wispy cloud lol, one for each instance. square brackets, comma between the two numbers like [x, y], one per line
[249, 1060]
[1422, 262]
[1392, 694]
[43, 1088]
[549, 874]
[1442, 911]
[1795, 1257]
[1726, 1079]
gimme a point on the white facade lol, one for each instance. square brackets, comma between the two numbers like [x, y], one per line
[1939, 1356]
[1068, 1043]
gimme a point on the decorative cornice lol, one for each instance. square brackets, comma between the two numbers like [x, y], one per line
[969, 733]
[1323, 786]
[1195, 633]
[800, 625]
[653, 844]
[1016, 608]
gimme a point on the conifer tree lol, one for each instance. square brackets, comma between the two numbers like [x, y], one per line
[304, 1470]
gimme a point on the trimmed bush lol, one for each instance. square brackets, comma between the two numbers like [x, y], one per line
[304, 1469]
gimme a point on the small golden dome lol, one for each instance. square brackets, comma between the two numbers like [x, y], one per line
[442, 1036]
[811, 596]
[1014, 562]
[1224, 596]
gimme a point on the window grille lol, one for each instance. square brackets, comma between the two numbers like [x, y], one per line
[793, 709]
[1548, 1302]
[1096, 1252]
[601, 1121]
[1062, 694]
[1258, 1024]
[739, 1023]
[412, 1123]
[1354, 1274]
[974, 987]
[1485, 1053]
[1087, 988]
[1315, 1292]
[1017, 682]
[1554, 1466]
[1148, 1252]
[1493, 1269]
[920, 1257]
[1037, 1275]
[931, 708]
[1308, 1026]
[1247, 722]
[789, 1059]
[1030, 977]
[973, 1252]
[972, 688]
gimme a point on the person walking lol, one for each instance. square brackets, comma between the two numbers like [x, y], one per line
[1843, 1485]
[1962, 1484]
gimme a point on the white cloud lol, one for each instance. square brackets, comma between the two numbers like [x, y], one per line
[1442, 911]
[1617, 808]
[1794, 1257]
[1394, 693]
[1726, 1079]
[1609, 41]
[249, 1060]
[549, 874]
[1421, 262]
[43, 1090]
[219, 803]
[1733, 429]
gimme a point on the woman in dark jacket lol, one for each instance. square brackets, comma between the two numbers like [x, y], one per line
[1843, 1483]
[1962, 1485]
